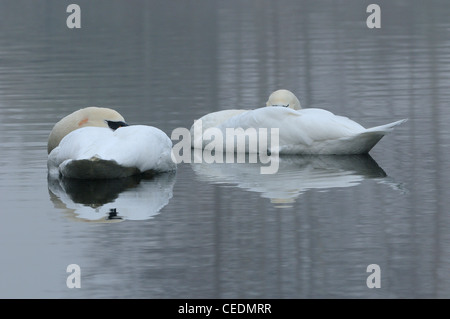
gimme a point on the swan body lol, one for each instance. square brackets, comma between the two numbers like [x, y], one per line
[98, 152]
[301, 131]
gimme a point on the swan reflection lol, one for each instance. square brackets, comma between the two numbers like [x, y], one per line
[112, 200]
[296, 174]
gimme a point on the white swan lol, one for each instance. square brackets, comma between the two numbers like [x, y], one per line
[95, 143]
[301, 131]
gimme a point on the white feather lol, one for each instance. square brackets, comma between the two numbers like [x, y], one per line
[303, 131]
[97, 152]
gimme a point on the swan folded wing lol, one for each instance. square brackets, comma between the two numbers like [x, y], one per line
[211, 120]
[145, 147]
[79, 144]
[303, 127]
[275, 117]
[214, 119]
[322, 125]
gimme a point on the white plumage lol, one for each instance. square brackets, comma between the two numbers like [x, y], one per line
[99, 152]
[301, 131]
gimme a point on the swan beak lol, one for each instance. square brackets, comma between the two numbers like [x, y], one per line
[282, 105]
[114, 125]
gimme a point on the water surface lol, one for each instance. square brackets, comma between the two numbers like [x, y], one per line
[225, 231]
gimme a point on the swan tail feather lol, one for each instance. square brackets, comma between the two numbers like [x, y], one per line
[362, 143]
[386, 127]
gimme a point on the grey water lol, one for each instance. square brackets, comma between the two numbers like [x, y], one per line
[225, 230]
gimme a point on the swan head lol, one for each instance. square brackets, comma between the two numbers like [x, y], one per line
[284, 98]
[90, 116]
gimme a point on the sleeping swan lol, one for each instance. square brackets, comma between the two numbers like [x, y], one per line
[301, 131]
[94, 143]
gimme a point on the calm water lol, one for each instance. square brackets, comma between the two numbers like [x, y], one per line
[225, 231]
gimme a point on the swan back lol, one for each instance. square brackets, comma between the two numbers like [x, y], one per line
[284, 98]
[90, 116]
[98, 152]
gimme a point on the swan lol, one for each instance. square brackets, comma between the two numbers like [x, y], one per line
[97, 143]
[301, 131]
